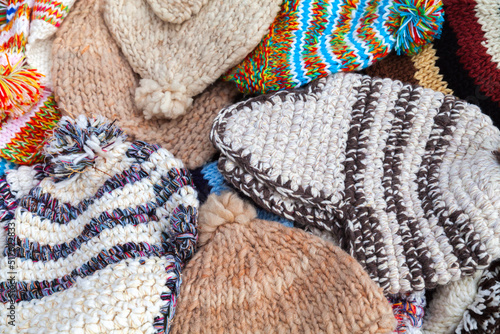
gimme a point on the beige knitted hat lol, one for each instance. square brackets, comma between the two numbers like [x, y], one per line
[180, 47]
[256, 276]
[91, 76]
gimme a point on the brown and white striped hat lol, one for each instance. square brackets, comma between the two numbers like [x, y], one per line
[406, 178]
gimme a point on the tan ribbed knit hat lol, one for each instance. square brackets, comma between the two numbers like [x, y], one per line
[256, 276]
[180, 47]
[92, 77]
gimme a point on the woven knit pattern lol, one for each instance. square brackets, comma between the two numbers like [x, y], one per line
[468, 53]
[311, 39]
[483, 315]
[403, 176]
[177, 61]
[256, 276]
[114, 236]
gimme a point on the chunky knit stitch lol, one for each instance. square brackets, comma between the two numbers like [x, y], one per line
[187, 47]
[92, 77]
[98, 244]
[409, 312]
[256, 276]
[311, 39]
[404, 177]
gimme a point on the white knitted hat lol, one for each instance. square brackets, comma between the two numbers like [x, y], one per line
[97, 236]
[180, 47]
[404, 177]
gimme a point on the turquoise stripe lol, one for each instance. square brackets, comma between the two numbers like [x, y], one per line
[360, 51]
[382, 11]
[332, 63]
[304, 11]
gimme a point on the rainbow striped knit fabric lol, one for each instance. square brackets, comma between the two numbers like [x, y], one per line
[314, 38]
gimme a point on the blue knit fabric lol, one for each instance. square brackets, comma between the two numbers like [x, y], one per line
[217, 185]
[5, 166]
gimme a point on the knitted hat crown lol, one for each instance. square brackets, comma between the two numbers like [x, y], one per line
[408, 179]
[256, 276]
[97, 236]
[178, 48]
[311, 39]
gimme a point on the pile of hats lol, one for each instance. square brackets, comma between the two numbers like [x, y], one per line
[250, 166]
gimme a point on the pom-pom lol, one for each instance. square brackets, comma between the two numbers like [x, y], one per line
[20, 87]
[416, 23]
[76, 144]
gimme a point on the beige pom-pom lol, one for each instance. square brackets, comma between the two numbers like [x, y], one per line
[220, 210]
[160, 102]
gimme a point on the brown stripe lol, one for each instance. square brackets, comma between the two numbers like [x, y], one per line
[394, 67]
[469, 251]
[418, 258]
[362, 237]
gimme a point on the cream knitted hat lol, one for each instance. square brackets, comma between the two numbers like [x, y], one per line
[97, 236]
[256, 276]
[180, 47]
[91, 76]
[405, 177]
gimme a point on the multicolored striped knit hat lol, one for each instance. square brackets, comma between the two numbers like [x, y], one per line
[28, 106]
[406, 178]
[94, 240]
[310, 39]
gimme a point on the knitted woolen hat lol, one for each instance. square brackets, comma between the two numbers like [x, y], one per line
[92, 76]
[180, 47]
[483, 315]
[98, 244]
[28, 109]
[256, 276]
[46, 17]
[312, 39]
[408, 179]
[409, 311]
[469, 53]
[448, 304]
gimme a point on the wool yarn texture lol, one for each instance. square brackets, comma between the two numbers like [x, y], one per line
[409, 312]
[97, 235]
[187, 47]
[407, 179]
[256, 276]
[29, 111]
[46, 18]
[310, 39]
[5, 166]
[469, 53]
[449, 303]
[483, 315]
[209, 180]
[91, 77]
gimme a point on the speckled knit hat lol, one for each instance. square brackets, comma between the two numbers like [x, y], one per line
[91, 76]
[178, 48]
[97, 236]
[256, 276]
[406, 178]
[312, 39]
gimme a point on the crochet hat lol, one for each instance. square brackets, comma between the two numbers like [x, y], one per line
[92, 76]
[469, 53]
[178, 48]
[407, 179]
[256, 276]
[448, 304]
[312, 39]
[28, 109]
[98, 244]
